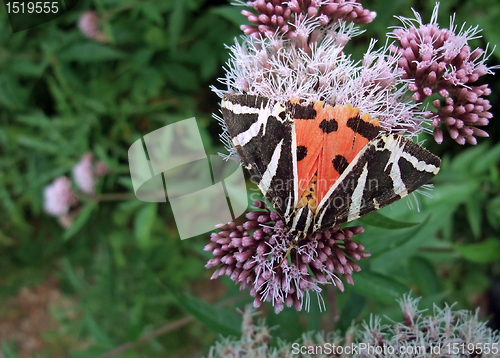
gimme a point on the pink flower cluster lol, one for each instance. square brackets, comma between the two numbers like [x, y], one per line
[86, 172]
[89, 26]
[440, 62]
[274, 17]
[59, 196]
[420, 332]
[254, 255]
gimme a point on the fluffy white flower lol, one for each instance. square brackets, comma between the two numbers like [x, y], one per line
[282, 69]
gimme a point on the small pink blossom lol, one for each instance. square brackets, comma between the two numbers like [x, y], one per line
[89, 26]
[86, 171]
[83, 174]
[59, 197]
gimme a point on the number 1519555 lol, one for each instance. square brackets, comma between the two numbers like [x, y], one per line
[32, 7]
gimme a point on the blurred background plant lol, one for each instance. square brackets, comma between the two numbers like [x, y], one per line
[119, 281]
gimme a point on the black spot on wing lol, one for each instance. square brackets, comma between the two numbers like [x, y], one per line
[379, 184]
[339, 163]
[329, 126]
[299, 111]
[365, 129]
[301, 152]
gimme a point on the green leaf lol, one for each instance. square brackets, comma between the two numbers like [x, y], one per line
[38, 144]
[124, 211]
[155, 37]
[150, 11]
[486, 16]
[60, 96]
[80, 220]
[231, 14]
[181, 77]
[76, 282]
[148, 83]
[294, 321]
[473, 211]
[351, 310]
[135, 324]
[483, 162]
[28, 67]
[143, 223]
[379, 220]
[208, 67]
[424, 275]
[12, 95]
[465, 160]
[379, 287]
[202, 54]
[14, 213]
[6, 240]
[7, 352]
[35, 119]
[428, 302]
[493, 212]
[407, 244]
[474, 281]
[176, 23]
[221, 320]
[483, 252]
[451, 195]
[93, 104]
[90, 52]
[97, 333]
[117, 241]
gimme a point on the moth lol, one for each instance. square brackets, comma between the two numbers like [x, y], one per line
[320, 165]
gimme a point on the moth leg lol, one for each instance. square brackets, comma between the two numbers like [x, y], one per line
[299, 235]
[284, 258]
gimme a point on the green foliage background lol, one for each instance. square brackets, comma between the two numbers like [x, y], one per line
[122, 263]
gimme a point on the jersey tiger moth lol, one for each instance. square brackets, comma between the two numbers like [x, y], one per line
[320, 165]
